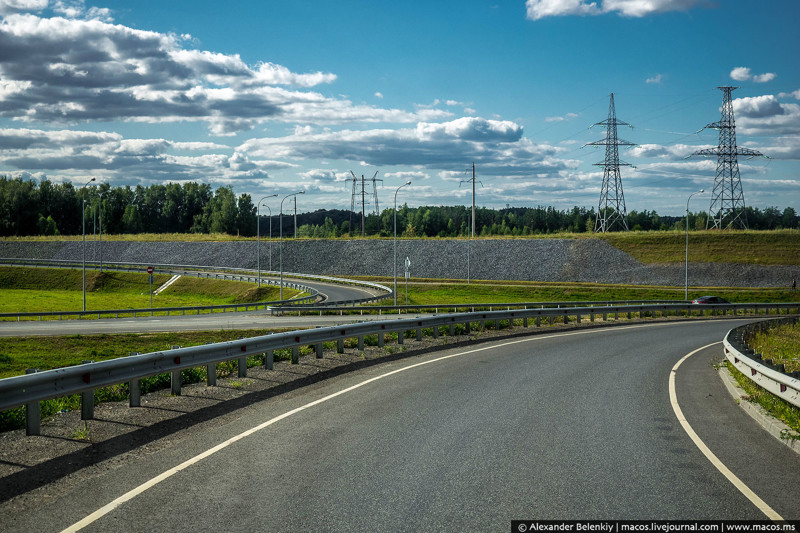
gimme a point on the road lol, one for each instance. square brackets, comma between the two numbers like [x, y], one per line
[238, 320]
[571, 425]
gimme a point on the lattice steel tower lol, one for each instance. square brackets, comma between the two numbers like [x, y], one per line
[727, 201]
[611, 211]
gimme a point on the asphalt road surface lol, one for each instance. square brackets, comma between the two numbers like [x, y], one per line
[572, 425]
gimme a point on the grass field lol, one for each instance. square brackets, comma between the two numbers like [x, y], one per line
[45, 353]
[22, 290]
[432, 292]
[779, 247]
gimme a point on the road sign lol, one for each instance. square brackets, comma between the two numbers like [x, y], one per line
[149, 270]
[408, 263]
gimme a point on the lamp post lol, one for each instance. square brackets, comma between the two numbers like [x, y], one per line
[100, 208]
[280, 249]
[258, 235]
[83, 226]
[686, 291]
[395, 240]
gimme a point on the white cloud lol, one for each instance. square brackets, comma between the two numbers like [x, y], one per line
[794, 94]
[67, 70]
[568, 116]
[744, 74]
[658, 78]
[407, 176]
[21, 6]
[537, 9]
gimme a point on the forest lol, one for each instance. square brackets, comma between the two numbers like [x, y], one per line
[28, 208]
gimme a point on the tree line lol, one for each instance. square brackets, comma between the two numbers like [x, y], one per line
[28, 208]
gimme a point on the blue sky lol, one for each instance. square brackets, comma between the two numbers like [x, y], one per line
[275, 97]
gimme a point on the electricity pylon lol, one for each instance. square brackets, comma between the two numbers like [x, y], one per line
[611, 213]
[727, 201]
[363, 194]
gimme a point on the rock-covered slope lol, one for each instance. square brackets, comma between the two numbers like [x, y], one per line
[583, 260]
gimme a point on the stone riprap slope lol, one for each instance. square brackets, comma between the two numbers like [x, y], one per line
[581, 260]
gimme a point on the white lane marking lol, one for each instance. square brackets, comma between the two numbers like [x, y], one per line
[189, 462]
[719, 465]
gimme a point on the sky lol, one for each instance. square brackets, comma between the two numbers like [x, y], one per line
[276, 97]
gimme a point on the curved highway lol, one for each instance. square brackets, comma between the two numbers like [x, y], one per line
[230, 320]
[571, 425]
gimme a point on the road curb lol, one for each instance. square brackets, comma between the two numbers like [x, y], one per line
[771, 425]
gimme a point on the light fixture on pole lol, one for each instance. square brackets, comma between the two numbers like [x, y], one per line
[83, 226]
[258, 235]
[395, 239]
[686, 291]
[280, 248]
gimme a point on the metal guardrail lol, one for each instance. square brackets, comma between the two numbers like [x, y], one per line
[232, 274]
[763, 372]
[462, 307]
[32, 388]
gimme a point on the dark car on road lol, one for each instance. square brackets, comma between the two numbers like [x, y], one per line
[710, 300]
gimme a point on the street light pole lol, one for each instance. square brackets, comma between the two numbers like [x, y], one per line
[258, 235]
[686, 290]
[395, 240]
[83, 226]
[100, 208]
[280, 223]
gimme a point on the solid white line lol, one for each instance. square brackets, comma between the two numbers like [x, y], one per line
[189, 462]
[738, 483]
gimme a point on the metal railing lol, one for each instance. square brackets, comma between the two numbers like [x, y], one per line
[763, 372]
[229, 274]
[36, 386]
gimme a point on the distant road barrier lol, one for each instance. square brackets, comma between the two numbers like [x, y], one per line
[763, 372]
[230, 274]
[83, 379]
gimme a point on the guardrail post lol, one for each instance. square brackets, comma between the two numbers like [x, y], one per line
[483, 325]
[340, 346]
[269, 358]
[319, 348]
[435, 332]
[242, 367]
[87, 401]
[452, 329]
[134, 393]
[211, 374]
[578, 318]
[295, 355]
[33, 414]
[419, 334]
[361, 342]
[629, 315]
[175, 382]
[400, 336]
[381, 340]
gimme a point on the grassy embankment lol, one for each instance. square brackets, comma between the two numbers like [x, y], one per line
[782, 345]
[27, 289]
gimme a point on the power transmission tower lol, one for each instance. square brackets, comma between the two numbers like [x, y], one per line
[611, 212]
[727, 201]
[363, 193]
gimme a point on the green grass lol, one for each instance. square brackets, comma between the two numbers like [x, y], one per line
[781, 344]
[778, 247]
[21, 291]
[45, 353]
[435, 292]
[775, 406]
